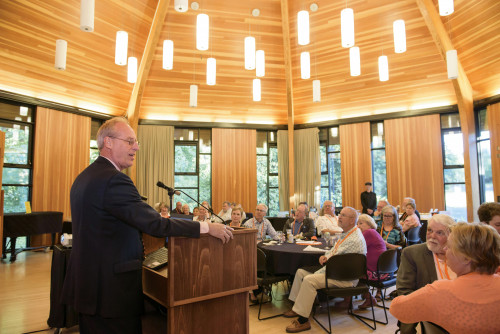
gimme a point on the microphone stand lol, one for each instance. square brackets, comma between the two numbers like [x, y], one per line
[209, 210]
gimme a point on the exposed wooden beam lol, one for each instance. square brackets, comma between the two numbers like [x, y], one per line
[134, 104]
[289, 99]
[463, 91]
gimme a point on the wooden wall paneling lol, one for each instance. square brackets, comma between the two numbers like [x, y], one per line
[355, 161]
[234, 168]
[414, 161]
[493, 116]
[62, 150]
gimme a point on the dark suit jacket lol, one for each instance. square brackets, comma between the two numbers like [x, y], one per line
[416, 270]
[104, 274]
[307, 228]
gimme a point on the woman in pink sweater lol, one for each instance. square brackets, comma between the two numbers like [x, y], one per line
[470, 303]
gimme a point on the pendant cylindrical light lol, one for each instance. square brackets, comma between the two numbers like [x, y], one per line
[87, 15]
[347, 27]
[445, 7]
[305, 65]
[452, 64]
[181, 5]
[132, 70]
[249, 53]
[316, 91]
[260, 63]
[399, 30]
[211, 71]
[168, 54]
[303, 27]
[61, 50]
[121, 48]
[256, 90]
[354, 61]
[202, 26]
[193, 96]
[383, 68]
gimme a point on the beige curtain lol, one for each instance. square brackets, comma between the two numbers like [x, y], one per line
[155, 161]
[283, 170]
[307, 167]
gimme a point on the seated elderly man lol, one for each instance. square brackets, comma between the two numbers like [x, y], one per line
[423, 264]
[178, 208]
[301, 224]
[225, 213]
[327, 222]
[305, 284]
[377, 215]
[260, 223]
[489, 213]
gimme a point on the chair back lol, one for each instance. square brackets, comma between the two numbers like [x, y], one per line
[413, 235]
[346, 267]
[387, 262]
[261, 261]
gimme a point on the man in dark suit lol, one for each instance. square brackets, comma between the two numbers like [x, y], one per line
[368, 199]
[419, 262]
[301, 224]
[104, 277]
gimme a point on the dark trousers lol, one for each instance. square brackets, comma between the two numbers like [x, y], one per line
[95, 324]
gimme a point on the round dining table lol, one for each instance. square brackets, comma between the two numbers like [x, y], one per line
[286, 258]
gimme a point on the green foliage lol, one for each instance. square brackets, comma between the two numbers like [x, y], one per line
[14, 198]
[16, 144]
[379, 174]
[335, 178]
[185, 158]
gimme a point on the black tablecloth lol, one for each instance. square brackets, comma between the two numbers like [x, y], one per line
[287, 258]
[24, 224]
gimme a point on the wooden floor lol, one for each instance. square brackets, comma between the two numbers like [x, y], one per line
[24, 303]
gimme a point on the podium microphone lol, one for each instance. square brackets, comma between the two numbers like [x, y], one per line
[172, 190]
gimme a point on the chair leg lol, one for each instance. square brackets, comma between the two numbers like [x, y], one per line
[360, 317]
[260, 308]
[329, 331]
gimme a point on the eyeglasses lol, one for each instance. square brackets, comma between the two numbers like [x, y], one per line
[388, 216]
[344, 215]
[130, 141]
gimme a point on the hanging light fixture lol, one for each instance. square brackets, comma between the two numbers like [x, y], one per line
[260, 63]
[347, 27]
[316, 91]
[256, 90]
[181, 5]
[354, 61]
[132, 70]
[61, 50]
[383, 68]
[249, 53]
[305, 65]
[303, 27]
[87, 15]
[121, 48]
[445, 7]
[399, 31]
[168, 54]
[211, 71]
[202, 26]
[452, 64]
[193, 96]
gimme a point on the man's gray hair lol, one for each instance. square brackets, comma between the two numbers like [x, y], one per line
[445, 220]
[108, 130]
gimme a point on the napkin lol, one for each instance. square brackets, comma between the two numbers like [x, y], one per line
[315, 249]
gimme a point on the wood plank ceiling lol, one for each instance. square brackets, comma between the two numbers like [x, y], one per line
[417, 78]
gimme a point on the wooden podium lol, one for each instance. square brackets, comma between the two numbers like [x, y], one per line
[205, 286]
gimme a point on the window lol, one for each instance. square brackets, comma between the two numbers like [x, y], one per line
[267, 171]
[193, 165]
[453, 166]
[331, 180]
[94, 150]
[484, 158]
[17, 122]
[379, 172]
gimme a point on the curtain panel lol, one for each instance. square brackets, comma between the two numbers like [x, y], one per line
[283, 170]
[307, 167]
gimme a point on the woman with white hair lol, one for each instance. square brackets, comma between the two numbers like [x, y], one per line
[469, 303]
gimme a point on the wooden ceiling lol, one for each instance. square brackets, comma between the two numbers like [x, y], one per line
[417, 78]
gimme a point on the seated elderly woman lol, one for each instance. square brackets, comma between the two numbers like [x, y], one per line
[489, 213]
[202, 216]
[163, 209]
[185, 209]
[411, 219]
[236, 214]
[390, 230]
[468, 304]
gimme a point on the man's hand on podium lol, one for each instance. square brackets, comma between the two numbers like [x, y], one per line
[220, 231]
